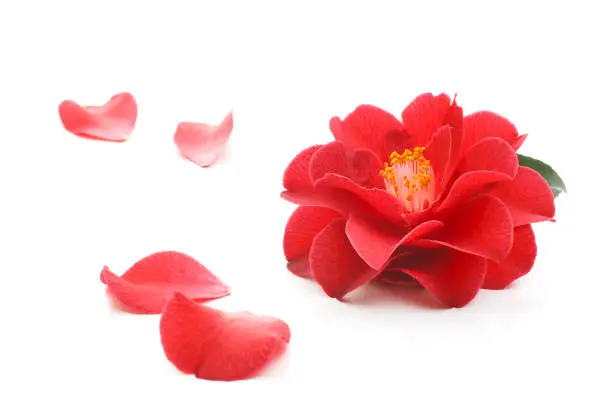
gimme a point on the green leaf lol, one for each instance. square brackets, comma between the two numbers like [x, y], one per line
[552, 177]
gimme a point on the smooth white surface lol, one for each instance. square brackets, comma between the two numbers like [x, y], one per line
[70, 206]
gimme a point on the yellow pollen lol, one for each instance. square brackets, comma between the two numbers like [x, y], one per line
[415, 177]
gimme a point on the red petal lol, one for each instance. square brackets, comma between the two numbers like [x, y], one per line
[365, 127]
[366, 169]
[304, 224]
[334, 263]
[424, 115]
[519, 261]
[438, 152]
[480, 125]
[113, 121]
[152, 281]
[528, 197]
[220, 346]
[297, 177]
[201, 143]
[481, 227]
[361, 165]
[492, 154]
[397, 141]
[362, 200]
[468, 185]
[453, 277]
[331, 158]
[375, 243]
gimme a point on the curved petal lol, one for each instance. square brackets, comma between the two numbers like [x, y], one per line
[438, 152]
[304, 224]
[424, 115]
[480, 125]
[466, 186]
[528, 197]
[216, 345]
[329, 159]
[366, 169]
[113, 121]
[201, 143]
[375, 243]
[361, 165]
[518, 263]
[397, 141]
[334, 263]
[453, 277]
[297, 176]
[481, 227]
[151, 282]
[365, 127]
[362, 200]
[492, 154]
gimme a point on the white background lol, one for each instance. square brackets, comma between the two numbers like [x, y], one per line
[70, 205]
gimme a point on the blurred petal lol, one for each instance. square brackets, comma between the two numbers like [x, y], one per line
[113, 121]
[151, 282]
[201, 143]
[220, 346]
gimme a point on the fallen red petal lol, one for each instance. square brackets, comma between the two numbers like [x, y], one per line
[113, 121]
[518, 263]
[215, 345]
[148, 285]
[201, 143]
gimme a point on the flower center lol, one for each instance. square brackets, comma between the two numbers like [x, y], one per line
[410, 178]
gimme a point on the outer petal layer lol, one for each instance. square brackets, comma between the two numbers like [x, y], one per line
[201, 143]
[366, 127]
[220, 346]
[297, 176]
[481, 227]
[453, 277]
[519, 261]
[304, 224]
[375, 244]
[334, 263]
[113, 121]
[480, 125]
[148, 285]
[528, 197]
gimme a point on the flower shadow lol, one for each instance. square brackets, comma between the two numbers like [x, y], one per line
[384, 294]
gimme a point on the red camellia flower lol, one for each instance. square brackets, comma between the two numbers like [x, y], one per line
[436, 199]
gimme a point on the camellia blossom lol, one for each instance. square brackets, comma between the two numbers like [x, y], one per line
[113, 121]
[151, 282]
[216, 345]
[437, 199]
[201, 143]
